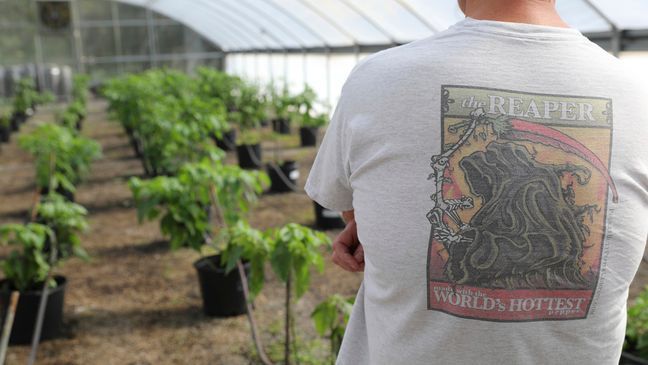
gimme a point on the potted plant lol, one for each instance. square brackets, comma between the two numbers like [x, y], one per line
[219, 86]
[283, 106]
[79, 109]
[250, 110]
[635, 348]
[310, 126]
[330, 318]
[295, 250]
[284, 176]
[62, 159]
[38, 248]
[70, 120]
[184, 203]
[306, 118]
[217, 274]
[80, 84]
[24, 99]
[168, 121]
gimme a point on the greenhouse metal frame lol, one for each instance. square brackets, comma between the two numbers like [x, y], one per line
[268, 40]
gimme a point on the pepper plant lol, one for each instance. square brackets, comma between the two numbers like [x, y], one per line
[282, 102]
[167, 118]
[58, 226]
[27, 265]
[250, 110]
[242, 242]
[330, 318]
[25, 97]
[184, 201]
[295, 251]
[62, 159]
[80, 84]
[636, 340]
[67, 220]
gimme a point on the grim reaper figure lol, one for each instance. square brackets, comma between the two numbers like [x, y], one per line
[528, 231]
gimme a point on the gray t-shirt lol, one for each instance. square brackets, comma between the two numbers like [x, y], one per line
[499, 176]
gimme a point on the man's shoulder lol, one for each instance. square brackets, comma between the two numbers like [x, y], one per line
[397, 62]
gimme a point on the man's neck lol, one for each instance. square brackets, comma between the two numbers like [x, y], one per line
[538, 12]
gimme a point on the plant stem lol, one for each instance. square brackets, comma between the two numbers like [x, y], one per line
[246, 291]
[6, 330]
[253, 327]
[287, 324]
[294, 338]
[43, 303]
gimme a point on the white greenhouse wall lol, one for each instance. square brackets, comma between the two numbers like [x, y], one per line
[327, 74]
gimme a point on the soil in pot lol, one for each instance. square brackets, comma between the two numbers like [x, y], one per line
[27, 311]
[327, 219]
[308, 136]
[222, 293]
[249, 156]
[281, 126]
[227, 142]
[283, 177]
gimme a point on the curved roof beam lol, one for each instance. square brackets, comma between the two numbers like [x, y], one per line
[331, 21]
[274, 22]
[601, 14]
[241, 38]
[373, 23]
[253, 23]
[417, 15]
[249, 40]
[299, 22]
[184, 20]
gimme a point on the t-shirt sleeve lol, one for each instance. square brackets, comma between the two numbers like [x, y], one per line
[328, 181]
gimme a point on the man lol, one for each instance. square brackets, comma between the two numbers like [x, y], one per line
[495, 183]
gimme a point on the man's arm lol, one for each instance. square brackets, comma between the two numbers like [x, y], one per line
[347, 249]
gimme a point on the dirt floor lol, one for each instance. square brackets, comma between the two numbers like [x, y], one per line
[136, 302]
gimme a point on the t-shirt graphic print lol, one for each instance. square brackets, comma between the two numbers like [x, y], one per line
[519, 197]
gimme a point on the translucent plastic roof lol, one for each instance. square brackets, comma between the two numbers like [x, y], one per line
[241, 25]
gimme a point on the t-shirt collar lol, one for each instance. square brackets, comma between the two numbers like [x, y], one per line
[517, 29]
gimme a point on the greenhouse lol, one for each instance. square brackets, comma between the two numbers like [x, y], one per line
[176, 182]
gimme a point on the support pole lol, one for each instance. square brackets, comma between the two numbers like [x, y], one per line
[150, 26]
[616, 39]
[114, 17]
[76, 35]
[329, 97]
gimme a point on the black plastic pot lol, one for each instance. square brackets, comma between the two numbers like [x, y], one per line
[308, 136]
[327, 219]
[27, 311]
[16, 120]
[630, 359]
[249, 156]
[222, 293]
[227, 142]
[5, 133]
[281, 126]
[283, 177]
